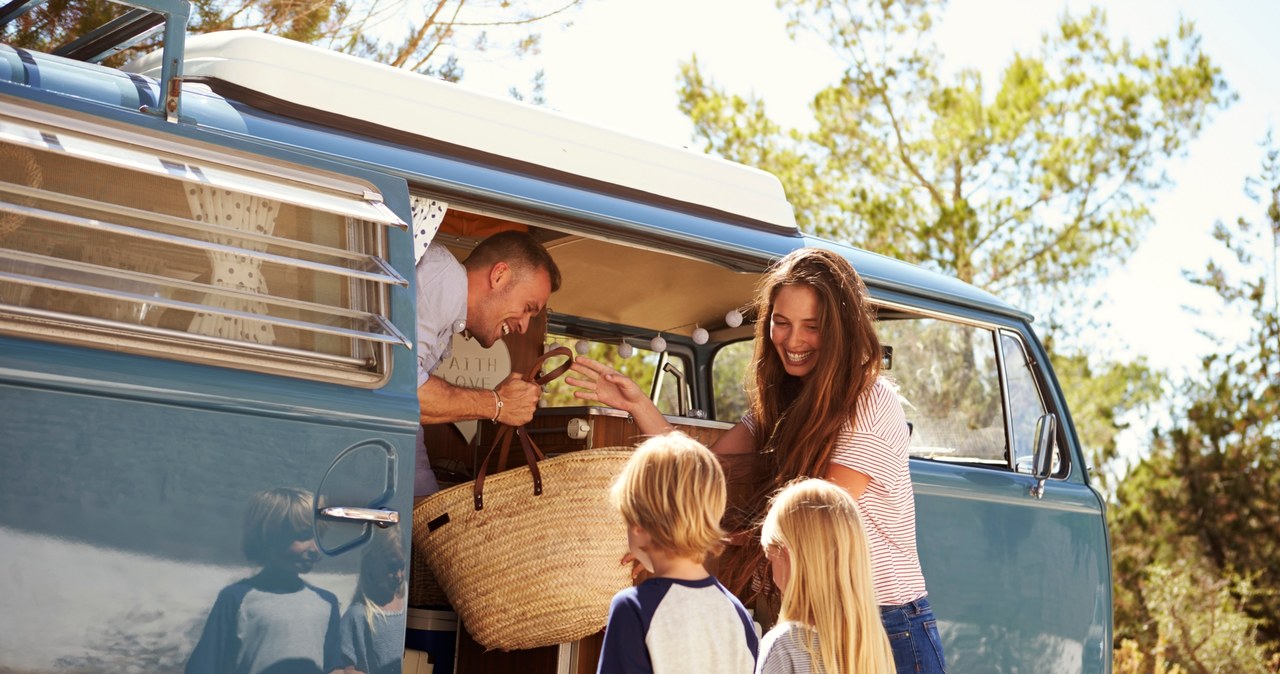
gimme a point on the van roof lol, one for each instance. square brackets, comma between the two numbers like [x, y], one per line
[725, 233]
[363, 93]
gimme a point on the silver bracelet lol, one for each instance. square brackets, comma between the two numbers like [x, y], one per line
[498, 399]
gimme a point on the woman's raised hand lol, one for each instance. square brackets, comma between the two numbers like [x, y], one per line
[601, 383]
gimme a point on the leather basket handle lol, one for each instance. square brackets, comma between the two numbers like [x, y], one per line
[502, 441]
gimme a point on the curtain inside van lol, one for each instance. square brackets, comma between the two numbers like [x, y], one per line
[237, 272]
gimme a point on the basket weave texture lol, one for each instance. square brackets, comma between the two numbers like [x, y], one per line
[528, 570]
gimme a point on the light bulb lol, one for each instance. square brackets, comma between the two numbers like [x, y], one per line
[658, 344]
[700, 336]
[733, 319]
[625, 350]
[582, 346]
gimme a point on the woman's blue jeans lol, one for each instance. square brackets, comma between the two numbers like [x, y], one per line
[913, 636]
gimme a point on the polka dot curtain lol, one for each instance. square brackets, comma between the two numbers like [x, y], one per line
[427, 216]
[241, 273]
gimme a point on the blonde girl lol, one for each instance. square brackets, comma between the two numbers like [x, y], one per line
[829, 621]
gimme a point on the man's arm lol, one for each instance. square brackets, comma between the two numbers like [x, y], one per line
[440, 402]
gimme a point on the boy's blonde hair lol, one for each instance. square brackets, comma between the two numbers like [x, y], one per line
[674, 489]
[276, 518]
[830, 589]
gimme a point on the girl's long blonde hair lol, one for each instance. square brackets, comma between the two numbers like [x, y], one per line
[830, 588]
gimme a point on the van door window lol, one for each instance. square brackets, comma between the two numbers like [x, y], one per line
[641, 366]
[1025, 403]
[950, 388]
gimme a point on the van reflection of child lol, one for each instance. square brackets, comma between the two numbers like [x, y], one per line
[372, 629]
[274, 622]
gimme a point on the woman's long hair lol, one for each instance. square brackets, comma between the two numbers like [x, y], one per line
[798, 420]
[830, 590]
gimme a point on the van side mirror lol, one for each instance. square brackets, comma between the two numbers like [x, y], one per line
[1042, 459]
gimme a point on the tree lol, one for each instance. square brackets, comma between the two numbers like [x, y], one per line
[428, 38]
[1037, 185]
[1104, 396]
[1211, 487]
[1199, 623]
[1034, 187]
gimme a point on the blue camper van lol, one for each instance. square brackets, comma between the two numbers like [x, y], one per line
[207, 355]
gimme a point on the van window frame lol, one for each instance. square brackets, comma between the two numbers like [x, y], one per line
[340, 190]
[1038, 378]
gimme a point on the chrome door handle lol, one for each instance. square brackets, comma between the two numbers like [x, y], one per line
[379, 516]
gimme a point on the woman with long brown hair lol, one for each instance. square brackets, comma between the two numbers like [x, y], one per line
[819, 408]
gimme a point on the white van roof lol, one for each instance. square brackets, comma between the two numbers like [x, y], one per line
[408, 102]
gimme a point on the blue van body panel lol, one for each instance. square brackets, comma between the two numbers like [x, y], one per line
[113, 470]
[141, 529]
[890, 274]
[977, 521]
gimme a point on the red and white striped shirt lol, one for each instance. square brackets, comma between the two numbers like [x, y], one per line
[875, 444]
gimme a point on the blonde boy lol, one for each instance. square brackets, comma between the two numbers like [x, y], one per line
[672, 496]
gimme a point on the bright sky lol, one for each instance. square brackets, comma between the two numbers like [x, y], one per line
[618, 65]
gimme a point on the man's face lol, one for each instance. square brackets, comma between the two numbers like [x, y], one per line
[509, 303]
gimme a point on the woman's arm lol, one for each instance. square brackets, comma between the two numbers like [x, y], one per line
[854, 482]
[736, 440]
[601, 383]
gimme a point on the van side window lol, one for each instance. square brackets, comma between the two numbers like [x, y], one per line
[729, 372]
[949, 384]
[1025, 404]
[218, 259]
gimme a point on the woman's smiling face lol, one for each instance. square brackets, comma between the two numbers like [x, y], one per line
[793, 328]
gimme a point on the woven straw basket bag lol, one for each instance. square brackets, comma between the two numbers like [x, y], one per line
[529, 557]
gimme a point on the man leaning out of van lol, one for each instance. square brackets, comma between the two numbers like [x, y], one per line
[497, 290]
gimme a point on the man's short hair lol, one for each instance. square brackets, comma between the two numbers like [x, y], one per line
[519, 250]
[673, 487]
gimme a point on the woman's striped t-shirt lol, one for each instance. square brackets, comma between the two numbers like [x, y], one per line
[875, 444]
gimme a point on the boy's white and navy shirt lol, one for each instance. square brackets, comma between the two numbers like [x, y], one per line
[668, 626]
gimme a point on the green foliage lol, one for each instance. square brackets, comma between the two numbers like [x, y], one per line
[1201, 620]
[1210, 488]
[1200, 625]
[1039, 183]
[731, 375]
[1103, 397]
[56, 22]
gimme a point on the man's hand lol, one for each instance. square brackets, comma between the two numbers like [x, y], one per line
[519, 399]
